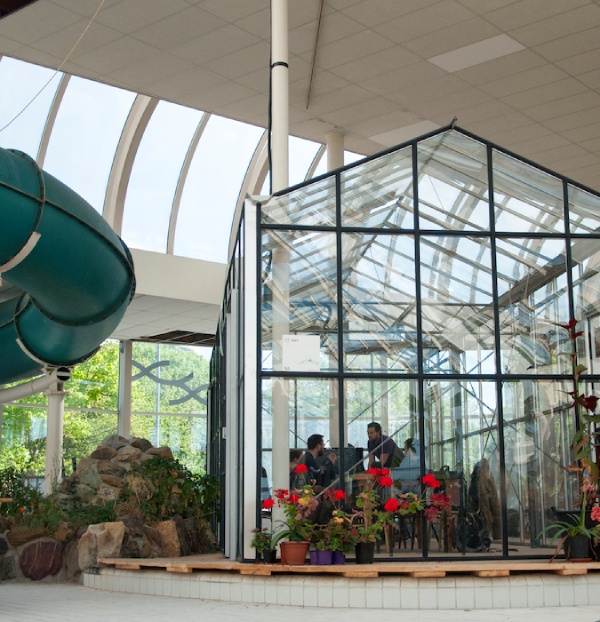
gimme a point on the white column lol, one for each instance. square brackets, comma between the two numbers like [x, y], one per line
[280, 121]
[54, 436]
[335, 150]
[125, 365]
[280, 181]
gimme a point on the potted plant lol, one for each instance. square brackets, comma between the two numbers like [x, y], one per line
[296, 528]
[262, 542]
[369, 520]
[580, 529]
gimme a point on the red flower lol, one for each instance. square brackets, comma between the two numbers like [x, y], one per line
[431, 514]
[301, 468]
[386, 481]
[268, 504]
[441, 501]
[293, 498]
[572, 323]
[374, 471]
[338, 495]
[391, 505]
[430, 480]
[384, 472]
[281, 493]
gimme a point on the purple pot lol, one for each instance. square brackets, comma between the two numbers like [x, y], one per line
[338, 558]
[324, 558]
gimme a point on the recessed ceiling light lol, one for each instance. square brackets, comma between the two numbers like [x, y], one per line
[477, 53]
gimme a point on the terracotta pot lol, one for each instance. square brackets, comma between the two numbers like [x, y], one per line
[293, 553]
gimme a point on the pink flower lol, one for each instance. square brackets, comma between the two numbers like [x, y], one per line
[431, 514]
[596, 513]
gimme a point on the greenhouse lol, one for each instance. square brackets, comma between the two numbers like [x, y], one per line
[428, 288]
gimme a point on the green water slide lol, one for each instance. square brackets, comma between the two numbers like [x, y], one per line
[74, 276]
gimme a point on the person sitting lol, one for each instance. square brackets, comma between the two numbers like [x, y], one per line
[316, 474]
[295, 457]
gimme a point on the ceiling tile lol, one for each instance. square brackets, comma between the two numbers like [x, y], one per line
[567, 47]
[384, 61]
[152, 69]
[524, 81]
[127, 17]
[399, 80]
[373, 12]
[526, 12]
[565, 106]
[115, 55]
[233, 11]
[545, 93]
[248, 60]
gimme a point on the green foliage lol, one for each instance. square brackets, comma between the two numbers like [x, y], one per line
[13, 486]
[172, 490]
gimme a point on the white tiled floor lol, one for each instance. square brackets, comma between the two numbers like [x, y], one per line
[448, 593]
[44, 602]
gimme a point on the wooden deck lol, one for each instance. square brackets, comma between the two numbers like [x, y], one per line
[416, 569]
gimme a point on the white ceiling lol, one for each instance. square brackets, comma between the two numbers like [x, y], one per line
[381, 71]
[522, 73]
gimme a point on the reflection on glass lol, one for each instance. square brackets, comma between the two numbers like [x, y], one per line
[584, 211]
[312, 205]
[456, 294]
[378, 298]
[453, 183]
[299, 298]
[526, 198]
[379, 192]
[538, 425]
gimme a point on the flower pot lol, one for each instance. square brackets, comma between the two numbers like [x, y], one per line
[293, 553]
[269, 556]
[312, 554]
[338, 558]
[577, 548]
[323, 558]
[365, 552]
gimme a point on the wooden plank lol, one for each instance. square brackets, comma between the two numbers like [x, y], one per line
[491, 573]
[181, 569]
[128, 566]
[256, 570]
[571, 571]
[427, 574]
[356, 573]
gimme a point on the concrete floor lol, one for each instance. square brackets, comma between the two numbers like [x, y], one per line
[27, 602]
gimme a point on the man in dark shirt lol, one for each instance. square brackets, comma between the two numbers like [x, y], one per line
[382, 448]
[315, 447]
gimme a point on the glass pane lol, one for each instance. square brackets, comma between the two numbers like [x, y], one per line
[212, 188]
[185, 435]
[456, 293]
[95, 383]
[453, 183]
[311, 206]
[584, 211]
[538, 426]
[24, 106]
[154, 177]
[85, 136]
[585, 253]
[461, 433]
[532, 289]
[312, 407]
[299, 301]
[24, 439]
[378, 296]
[379, 193]
[526, 199]
[169, 379]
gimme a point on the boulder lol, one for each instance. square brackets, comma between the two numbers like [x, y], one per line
[142, 444]
[102, 540]
[128, 454]
[169, 537]
[21, 534]
[41, 559]
[103, 453]
[112, 480]
[165, 452]
[115, 441]
[88, 475]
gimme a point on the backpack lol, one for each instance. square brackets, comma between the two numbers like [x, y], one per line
[471, 533]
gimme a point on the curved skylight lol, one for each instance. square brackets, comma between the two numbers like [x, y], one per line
[24, 104]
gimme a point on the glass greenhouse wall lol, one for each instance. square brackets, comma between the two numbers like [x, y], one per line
[421, 289]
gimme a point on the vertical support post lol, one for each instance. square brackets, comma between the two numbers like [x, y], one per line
[335, 150]
[280, 181]
[54, 436]
[125, 365]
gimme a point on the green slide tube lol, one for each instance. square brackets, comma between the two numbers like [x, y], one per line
[75, 273]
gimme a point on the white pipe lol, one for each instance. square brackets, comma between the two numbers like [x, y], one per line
[54, 436]
[280, 119]
[38, 385]
[335, 150]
